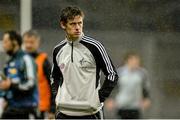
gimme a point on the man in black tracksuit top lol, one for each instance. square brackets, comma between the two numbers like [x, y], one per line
[77, 64]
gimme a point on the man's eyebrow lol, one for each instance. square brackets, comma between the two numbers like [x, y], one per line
[72, 22]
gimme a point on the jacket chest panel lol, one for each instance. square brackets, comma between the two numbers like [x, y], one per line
[82, 58]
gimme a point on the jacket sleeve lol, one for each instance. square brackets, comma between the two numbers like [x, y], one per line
[47, 72]
[28, 70]
[109, 71]
[56, 75]
[47, 69]
[146, 85]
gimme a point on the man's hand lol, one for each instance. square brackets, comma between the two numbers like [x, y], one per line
[110, 104]
[51, 116]
[5, 84]
[146, 104]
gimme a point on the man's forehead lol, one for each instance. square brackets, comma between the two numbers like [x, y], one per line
[76, 19]
[30, 37]
[6, 35]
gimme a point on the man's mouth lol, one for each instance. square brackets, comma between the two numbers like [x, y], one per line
[77, 33]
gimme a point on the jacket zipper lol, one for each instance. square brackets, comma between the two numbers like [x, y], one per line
[72, 52]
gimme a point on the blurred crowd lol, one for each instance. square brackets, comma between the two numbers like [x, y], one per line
[25, 90]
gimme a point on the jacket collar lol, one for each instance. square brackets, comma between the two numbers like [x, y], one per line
[16, 54]
[75, 42]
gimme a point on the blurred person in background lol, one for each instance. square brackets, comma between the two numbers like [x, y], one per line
[3, 102]
[133, 89]
[20, 82]
[31, 44]
[77, 64]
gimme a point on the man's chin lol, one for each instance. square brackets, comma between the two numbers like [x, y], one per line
[77, 35]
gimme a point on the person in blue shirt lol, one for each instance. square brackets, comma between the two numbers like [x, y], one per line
[20, 83]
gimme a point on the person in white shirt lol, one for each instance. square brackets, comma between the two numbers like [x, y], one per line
[133, 88]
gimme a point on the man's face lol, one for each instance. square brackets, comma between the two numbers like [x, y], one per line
[8, 44]
[30, 43]
[134, 62]
[73, 27]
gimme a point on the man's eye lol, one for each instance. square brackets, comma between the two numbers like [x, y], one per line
[79, 22]
[73, 24]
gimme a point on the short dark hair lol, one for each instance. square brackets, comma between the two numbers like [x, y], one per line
[31, 33]
[69, 13]
[14, 36]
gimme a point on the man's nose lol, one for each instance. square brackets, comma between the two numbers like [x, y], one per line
[77, 27]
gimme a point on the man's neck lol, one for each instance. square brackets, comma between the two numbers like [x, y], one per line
[130, 67]
[34, 54]
[73, 39]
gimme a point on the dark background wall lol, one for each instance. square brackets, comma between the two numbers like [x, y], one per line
[150, 27]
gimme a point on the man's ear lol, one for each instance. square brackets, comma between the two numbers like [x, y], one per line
[63, 26]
